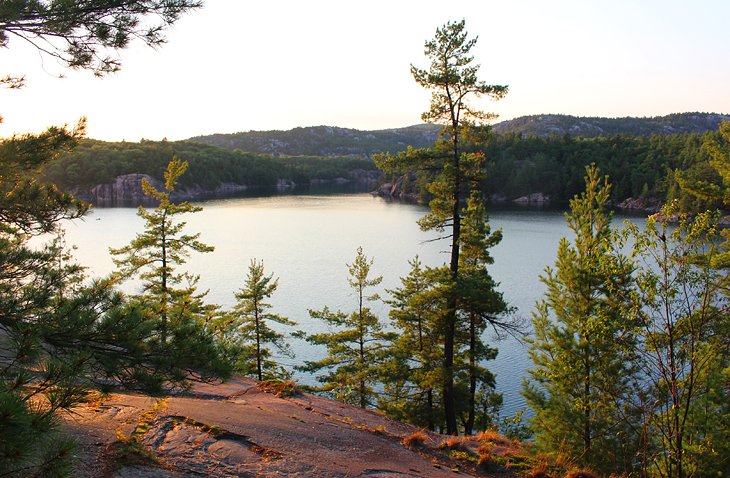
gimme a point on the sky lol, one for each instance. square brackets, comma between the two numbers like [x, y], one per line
[259, 65]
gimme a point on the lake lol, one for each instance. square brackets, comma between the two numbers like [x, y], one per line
[306, 241]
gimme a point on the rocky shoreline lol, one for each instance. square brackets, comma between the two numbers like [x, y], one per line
[126, 190]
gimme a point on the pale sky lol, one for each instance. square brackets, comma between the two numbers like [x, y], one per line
[258, 65]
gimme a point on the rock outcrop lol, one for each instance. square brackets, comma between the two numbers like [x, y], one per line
[241, 429]
[126, 190]
[534, 199]
[404, 188]
[639, 205]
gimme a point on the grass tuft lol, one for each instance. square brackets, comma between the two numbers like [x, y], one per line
[580, 473]
[415, 440]
[280, 388]
[453, 443]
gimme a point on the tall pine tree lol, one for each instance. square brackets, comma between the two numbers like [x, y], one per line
[452, 80]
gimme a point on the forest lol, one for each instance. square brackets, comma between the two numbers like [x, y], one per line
[631, 364]
[97, 162]
[651, 168]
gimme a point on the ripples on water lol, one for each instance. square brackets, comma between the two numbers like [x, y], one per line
[306, 242]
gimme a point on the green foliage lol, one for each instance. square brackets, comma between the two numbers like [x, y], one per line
[248, 326]
[169, 299]
[87, 35]
[412, 374]
[55, 334]
[97, 162]
[479, 306]
[22, 198]
[61, 335]
[683, 324]
[154, 254]
[583, 344]
[324, 141]
[592, 127]
[356, 347]
[452, 79]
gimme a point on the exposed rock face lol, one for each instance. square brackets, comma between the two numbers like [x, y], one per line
[537, 199]
[239, 429]
[126, 190]
[639, 205]
[403, 188]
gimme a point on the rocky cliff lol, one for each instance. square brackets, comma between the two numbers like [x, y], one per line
[126, 190]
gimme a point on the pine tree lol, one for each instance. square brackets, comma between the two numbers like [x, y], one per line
[412, 374]
[583, 343]
[250, 326]
[169, 299]
[87, 35]
[480, 306]
[58, 336]
[356, 348]
[154, 254]
[452, 79]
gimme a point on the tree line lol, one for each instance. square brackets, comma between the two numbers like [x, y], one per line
[95, 162]
[653, 169]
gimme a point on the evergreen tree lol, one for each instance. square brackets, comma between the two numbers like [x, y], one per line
[452, 79]
[582, 347]
[82, 35]
[250, 325]
[412, 374]
[356, 348]
[154, 254]
[169, 298]
[58, 337]
[480, 305]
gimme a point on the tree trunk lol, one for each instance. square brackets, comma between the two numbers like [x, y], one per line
[258, 343]
[450, 329]
[163, 311]
[469, 425]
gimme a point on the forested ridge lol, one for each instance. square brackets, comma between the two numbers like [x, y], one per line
[334, 141]
[97, 162]
[650, 168]
[591, 127]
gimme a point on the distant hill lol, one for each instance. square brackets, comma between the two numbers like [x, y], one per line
[546, 125]
[325, 140]
[334, 141]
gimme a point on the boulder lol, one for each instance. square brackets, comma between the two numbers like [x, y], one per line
[536, 199]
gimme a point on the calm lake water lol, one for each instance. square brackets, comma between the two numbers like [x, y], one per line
[306, 241]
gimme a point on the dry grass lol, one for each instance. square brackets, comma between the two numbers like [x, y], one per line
[485, 449]
[280, 388]
[415, 440]
[454, 443]
[493, 436]
[580, 473]
[487, 463]
[539, 470]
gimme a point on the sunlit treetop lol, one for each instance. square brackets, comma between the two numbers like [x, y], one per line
[452, 77]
